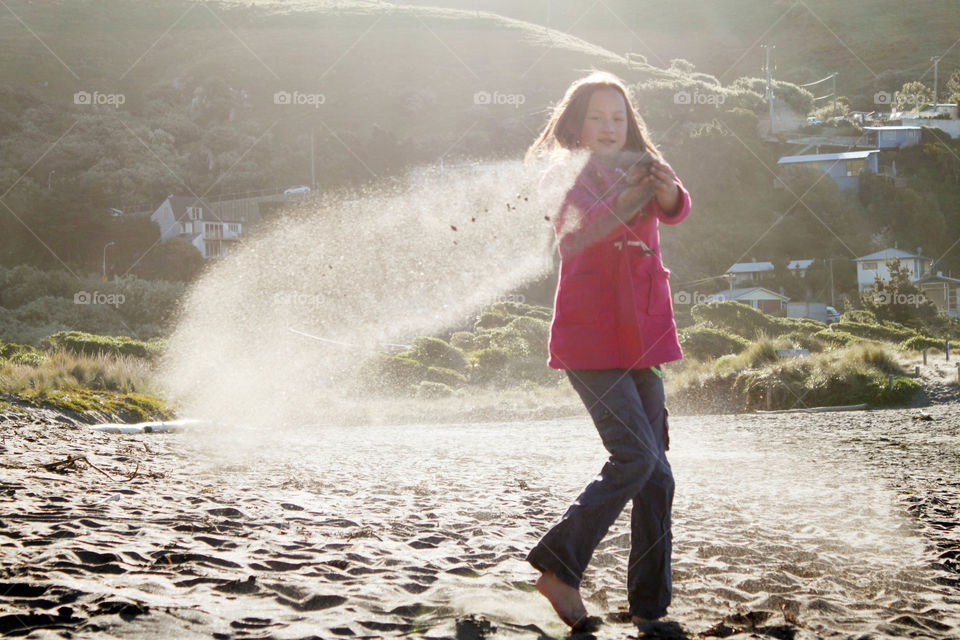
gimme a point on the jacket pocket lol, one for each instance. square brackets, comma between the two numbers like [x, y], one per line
[658, 301]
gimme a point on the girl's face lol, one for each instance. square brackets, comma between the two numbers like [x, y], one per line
[604, 129]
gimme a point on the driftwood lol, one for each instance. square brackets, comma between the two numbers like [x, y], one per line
[848, 407]
[71, 461]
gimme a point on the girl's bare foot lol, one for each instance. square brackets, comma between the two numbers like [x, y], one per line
[565, 599]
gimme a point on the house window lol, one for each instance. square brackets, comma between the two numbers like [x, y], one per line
[854, 167]
[235, 228]
[194, 213]
[870, 266]
[212, 249]
[188, 227]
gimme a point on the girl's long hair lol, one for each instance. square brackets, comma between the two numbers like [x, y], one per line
[562, 131]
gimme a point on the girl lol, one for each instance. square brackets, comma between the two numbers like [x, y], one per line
[612, 329]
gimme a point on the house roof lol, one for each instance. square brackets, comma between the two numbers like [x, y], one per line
[890, 254]
[179, 205]
[937, 277]
[820, 157]
[744, 291]
[754, 267]
[750, 267]
[896, 127]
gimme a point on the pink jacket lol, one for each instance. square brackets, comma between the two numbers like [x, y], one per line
[613, 308]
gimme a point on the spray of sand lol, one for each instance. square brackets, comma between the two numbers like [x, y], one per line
[357, 273]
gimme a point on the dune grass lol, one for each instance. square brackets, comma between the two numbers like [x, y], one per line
[101, 385]
[759, 379]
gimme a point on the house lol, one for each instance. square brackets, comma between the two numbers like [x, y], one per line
[753, 272]
[868, 267]
[757, 297]
[893, 137]
[942, 291]
[927, 116]
[211, 227]
[843, 167]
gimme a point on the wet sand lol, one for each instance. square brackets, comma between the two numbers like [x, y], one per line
[789, 526]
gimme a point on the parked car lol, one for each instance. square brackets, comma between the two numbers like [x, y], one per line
[832, 315]
[814, 120]
[302, 190]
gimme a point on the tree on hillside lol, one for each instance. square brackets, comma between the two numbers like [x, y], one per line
[913, 95]
[899, 300]
[953, 86]
[175, 260]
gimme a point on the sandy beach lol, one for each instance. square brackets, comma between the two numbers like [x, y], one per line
[837, 525]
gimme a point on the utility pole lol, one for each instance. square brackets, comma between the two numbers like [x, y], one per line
[936, 68]
[834, 90]
[767, 48]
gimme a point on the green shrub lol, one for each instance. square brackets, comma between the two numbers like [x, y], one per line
[464, 340]
[430, 390]
[90, 344]
[534, 331]
[389, 374]
[448, 377]
[702, 342]
[490, 320]
[63, 314]
[489, 364]
[919, 343]
[28, 357]
[859, 315]
[735, 317]
[434, 352]
[540, 313]
[874, 331]
[24, 284]
[838, 338]
[510, 341]
[9, 351]
[901, 392]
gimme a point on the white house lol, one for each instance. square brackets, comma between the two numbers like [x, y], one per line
[942, 291]
[757, 297]
[754, 272]
[194, 220]
[868, 267]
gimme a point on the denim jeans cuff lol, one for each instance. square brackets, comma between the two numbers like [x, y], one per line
[542, 560]
[648, 614]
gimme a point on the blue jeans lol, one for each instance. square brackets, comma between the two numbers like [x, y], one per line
[627, 407]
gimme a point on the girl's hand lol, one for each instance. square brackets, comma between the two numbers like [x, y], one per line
[661, 177]
[631, 199]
